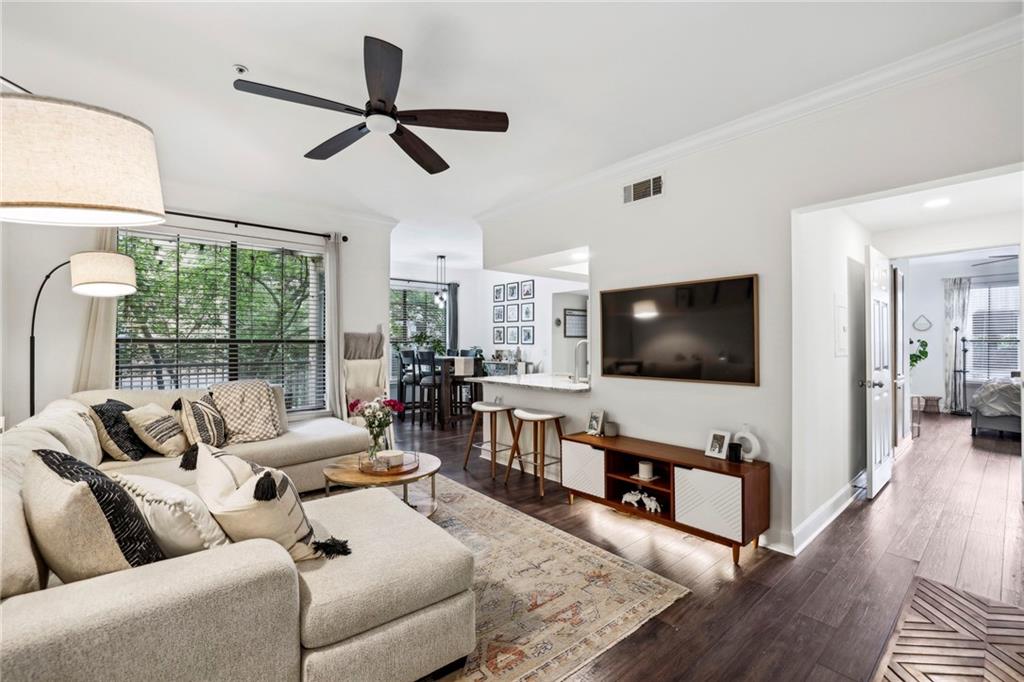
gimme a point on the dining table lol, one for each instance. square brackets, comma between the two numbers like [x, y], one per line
[445, 367]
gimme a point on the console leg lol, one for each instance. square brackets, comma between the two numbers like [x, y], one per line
[736, 554]
[571, 498]
[757, 538]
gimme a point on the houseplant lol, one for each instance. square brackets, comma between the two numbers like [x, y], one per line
[919, 354]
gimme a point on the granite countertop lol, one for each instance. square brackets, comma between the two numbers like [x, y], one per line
[541, 382]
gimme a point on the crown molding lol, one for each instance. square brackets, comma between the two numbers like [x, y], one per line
[972, 46]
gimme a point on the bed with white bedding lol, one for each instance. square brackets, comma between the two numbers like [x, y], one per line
[996, 406]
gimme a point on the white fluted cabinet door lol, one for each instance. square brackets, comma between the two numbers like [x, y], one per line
[582, 468]
[709, 501]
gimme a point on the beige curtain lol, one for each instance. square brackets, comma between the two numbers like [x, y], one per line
[957, 294]
[335, 334]
[96, 362]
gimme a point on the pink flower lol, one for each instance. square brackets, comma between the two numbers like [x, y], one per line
[354, 406]
[394, 406]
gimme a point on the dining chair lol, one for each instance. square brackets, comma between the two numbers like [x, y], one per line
[408, 380]
[429, 383]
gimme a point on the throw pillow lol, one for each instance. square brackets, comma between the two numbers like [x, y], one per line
[250, 501]
[83, 522]
[249, 410]
[115, 433]
[176, 516]
[158, 428]
[202, 422]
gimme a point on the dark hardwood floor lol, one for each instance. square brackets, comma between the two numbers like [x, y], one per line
[952, 513]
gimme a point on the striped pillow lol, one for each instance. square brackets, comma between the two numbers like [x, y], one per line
[202, 422]
[117, 438]
[158, 428]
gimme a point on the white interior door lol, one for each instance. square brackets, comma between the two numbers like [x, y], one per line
[877, 384]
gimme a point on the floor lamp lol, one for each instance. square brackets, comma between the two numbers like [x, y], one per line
[99, 274]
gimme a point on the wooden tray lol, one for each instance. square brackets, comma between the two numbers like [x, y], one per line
[411, 463]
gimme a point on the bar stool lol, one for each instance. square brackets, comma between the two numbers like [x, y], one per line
[492, 410]
[539, 420]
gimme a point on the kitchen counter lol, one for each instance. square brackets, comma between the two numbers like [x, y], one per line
[562, 383]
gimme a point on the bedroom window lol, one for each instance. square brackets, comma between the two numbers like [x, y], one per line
[209, 311]
[992, 333]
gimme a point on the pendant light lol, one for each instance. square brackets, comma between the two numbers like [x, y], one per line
[441, 273]
[67, 163]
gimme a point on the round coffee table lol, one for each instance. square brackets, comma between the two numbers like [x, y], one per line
[345, 472]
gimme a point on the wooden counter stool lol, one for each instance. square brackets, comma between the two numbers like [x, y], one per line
[491, 409]
[539, 420]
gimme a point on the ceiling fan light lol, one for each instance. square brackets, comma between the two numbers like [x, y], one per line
[379, 123]
[66, 163]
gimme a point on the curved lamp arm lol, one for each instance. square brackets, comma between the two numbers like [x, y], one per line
[32, 343]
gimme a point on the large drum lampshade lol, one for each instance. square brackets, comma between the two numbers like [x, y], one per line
[66, 163]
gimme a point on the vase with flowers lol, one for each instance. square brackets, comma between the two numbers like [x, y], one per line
[378, 414]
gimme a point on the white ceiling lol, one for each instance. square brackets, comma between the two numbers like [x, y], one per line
[999, 195]
[973, 256]
[584, 85]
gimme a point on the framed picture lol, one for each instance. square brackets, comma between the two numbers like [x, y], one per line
[526, 314]
[512, 312]
[595, 422]
[499, 314]
[526, 288]
[717, 442]
[575, 324]
[512, 291]
[499, 293]
[499, 336]
[512, 336]
[526, 335]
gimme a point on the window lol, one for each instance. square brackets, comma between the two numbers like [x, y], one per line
[209, 311]
[992, 314]
[414, 312]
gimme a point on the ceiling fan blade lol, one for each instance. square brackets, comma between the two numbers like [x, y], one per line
[419, 150]
[296, 97]
[457, 119]
[382, 62]
[329, 148]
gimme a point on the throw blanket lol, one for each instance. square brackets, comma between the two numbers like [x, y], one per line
[249, 410]
[998, 397]
[364, 346]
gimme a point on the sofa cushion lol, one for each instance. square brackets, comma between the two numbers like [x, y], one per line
[157, 466]
[401, 562]
[21, 566]
[116, 435]
[70, 422]
[84, 523]
[158, 428]
[306, 441]
[178, 518]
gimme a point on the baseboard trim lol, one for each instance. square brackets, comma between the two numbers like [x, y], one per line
[824, 515]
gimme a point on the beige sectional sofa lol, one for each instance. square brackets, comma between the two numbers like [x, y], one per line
[399, 607]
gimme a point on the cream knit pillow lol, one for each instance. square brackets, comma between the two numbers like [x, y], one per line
[158, 428]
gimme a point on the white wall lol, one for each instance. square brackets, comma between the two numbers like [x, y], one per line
[563, 349]
[829, 409]
[727, 210]
[29, 252]
[924, 295]
[475, 306]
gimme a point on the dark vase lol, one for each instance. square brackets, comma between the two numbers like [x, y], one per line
[735, 453]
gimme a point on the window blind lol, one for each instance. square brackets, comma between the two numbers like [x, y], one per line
[413, 311]
[212, 310]
[992, 331]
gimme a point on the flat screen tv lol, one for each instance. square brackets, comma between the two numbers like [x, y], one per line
[688, 331]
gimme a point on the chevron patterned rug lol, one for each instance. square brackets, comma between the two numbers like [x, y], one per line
[948, 634]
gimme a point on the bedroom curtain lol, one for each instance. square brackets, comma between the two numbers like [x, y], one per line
[335, 333]
[957, 292]
[96, 361]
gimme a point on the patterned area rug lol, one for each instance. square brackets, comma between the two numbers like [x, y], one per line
[547, 603]
[948, 634]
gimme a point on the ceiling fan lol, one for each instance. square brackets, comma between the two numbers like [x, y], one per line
[996, 259]
[382, 62]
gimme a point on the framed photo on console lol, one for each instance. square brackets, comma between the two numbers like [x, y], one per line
[526, 314]
[512, 312]
[499, 293]
[526, 335]
[526, 289]
[498, 316]
[512, 336]
[512, 291]
[499, 336]
[717, 444]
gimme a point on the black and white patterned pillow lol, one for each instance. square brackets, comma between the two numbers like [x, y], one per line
[202, 422]
[158, 428]
[116, 435]
[83, 522]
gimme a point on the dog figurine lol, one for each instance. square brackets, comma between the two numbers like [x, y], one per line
[632, 497]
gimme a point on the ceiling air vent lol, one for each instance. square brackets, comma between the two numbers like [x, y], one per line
[644, 189]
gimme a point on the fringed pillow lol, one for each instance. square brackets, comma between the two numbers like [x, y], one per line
[249, 410]
[158, 428]
[117, 438]
[250, 501]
